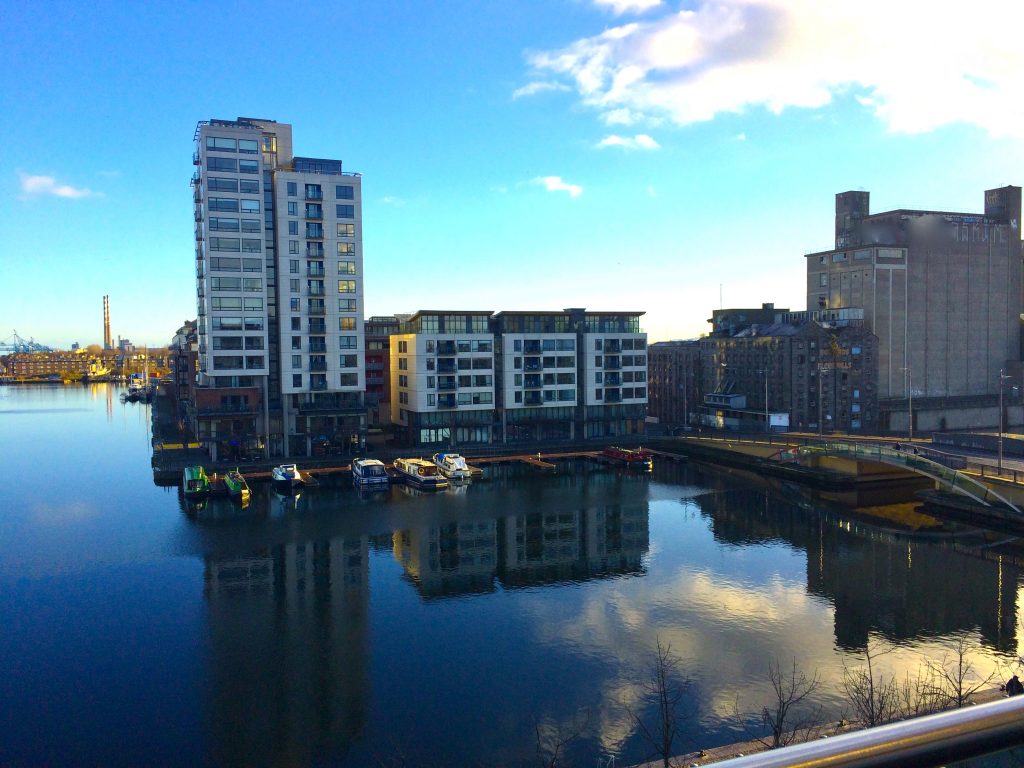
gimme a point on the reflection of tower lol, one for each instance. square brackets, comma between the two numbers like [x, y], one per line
[453, 559]
[107, 341]
[288, 638]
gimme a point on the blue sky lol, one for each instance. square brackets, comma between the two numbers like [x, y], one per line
[611, 154]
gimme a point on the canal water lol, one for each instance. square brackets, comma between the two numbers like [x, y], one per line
[353, 629]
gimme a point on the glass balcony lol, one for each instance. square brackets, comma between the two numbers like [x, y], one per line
[447, 385]
[446, 366]
[446, 401]
[314, 194]
[612, 347]
[317, 326]
[612, 364]
[316, 309]
[446, 348]
[533, 398]
[314, 250]
[317, 347]
[318, 365]
[532, 382]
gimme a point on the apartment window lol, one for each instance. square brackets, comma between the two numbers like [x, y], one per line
[223, 225]
[346, 230]
[349, 379]
[297, 380]
[403, 346]
[227, 323]
[248, 166]
[293, 228]
[346, 286]
[431, 381]
[518, 397]
[349, 361]
[313, 192]
[251, 225]
[249, 206]
[346, 305]
[248, 146]
[218, 184]
[293, 247]
[296, 361]
[225, 284]
[346, 342]
[227, 362]
[224, 164]
[248, 185]
[253, 304]
[346, 267]
[345, 211]
[220, 144]
[225, 264]
[296, 321]
[823, 279]
[598, 394]
[343, 192]
[293, 285]
[346, 323]
[227, 343]
[431, 399]
[293, 208]
[598, 377]
[254, 362]
[254, 323]
[251, 245]
[517, 379]
[252, 283]
[517, 345]
[403, 380]
[314, 230]
[293, 189]
[598, 360]
[296, 342]
[222, 204]
[254, 342]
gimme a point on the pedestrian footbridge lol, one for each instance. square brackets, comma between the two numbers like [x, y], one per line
[906, 458]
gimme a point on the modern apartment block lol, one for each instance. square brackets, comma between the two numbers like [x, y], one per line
[570, 375]
[675, 386]
[941, 290]
[378, 330]
[442, 378]
[279, 294]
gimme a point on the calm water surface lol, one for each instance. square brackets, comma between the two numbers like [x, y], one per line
[356, 629]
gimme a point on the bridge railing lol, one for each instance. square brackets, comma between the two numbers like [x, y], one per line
[954, 479]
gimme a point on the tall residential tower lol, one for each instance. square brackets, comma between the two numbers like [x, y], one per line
[279, 294]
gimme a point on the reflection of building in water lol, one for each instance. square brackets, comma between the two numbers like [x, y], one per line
[289, 652]
[453, 559]
[879, 581]
[560, 546]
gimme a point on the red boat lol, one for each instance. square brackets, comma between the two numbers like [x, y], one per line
[633, 458]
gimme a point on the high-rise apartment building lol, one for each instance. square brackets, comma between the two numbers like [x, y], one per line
[279, 294]
[941, 290]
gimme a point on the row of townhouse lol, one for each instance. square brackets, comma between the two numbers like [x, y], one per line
[461, 378]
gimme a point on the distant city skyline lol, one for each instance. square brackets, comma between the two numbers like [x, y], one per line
[525, 159]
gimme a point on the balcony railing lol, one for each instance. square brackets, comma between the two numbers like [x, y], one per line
[316, 310]
[612, 364]
[317, 327]
[319, 272]
[612, 347]
[314, 250]
[314, 195]
[196, 160]
[232, 408]
[446, 348]
[446, 402]
[531, 349]
[318, 365]
[318, 385]
[533, 399]
[445, 367]
[317, 347]
[447, 386]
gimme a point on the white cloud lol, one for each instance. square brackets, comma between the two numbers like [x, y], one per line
[536, 87]
[620, 7]
[640, 141]
[47, 185]
[555, 184]
[392, 200]
[741, 136]
[914, 68]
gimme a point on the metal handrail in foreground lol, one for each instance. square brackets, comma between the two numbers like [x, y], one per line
[932, 740]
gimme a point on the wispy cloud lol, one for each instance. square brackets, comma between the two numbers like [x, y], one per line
[539, 86]
[741, 136]
[620, 7]
[726, 56]
[556, 184]
[392, 200]
[640, 141]
[47, 185]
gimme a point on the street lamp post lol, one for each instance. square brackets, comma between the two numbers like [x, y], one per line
[767, 424]
[1002, 377]
[908, 382]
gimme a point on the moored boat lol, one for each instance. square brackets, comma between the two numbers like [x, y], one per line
[195, 483]
[452, 466]
[234, 481]
[287, 477]
[420, 474]
[633, 458]
[369, 473]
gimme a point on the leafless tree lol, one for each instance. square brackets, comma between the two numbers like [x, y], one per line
[552, 738]
[917, 694]
[668, 688]
[788, 716]
[875, 700]
[955, 678]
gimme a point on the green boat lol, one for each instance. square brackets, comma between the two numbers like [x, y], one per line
[195, 483]
[234, 481]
